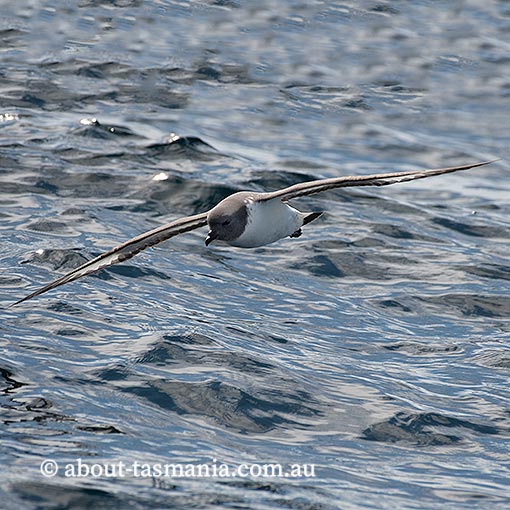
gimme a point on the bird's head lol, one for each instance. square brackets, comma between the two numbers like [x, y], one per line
[228, 219]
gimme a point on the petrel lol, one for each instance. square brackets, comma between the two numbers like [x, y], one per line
[245, 219]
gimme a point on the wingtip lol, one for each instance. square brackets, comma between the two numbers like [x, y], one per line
[26, 298]
[488, 162]
[19, 301]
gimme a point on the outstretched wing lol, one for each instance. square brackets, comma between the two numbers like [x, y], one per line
[311, 187]
[126, 250]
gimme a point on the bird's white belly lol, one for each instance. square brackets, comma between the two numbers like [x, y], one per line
[268, 222]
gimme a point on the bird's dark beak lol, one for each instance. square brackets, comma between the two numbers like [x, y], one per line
[211, 236]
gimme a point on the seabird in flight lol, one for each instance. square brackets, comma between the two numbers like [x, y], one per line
[245, 219]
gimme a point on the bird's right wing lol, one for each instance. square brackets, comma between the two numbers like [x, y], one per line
[126, 250]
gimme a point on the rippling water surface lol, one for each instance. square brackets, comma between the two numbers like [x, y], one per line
[374, 347]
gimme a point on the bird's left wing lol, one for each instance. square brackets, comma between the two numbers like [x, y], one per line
[126, 250]
[311, 187]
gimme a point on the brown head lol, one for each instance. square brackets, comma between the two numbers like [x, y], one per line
[228, 219]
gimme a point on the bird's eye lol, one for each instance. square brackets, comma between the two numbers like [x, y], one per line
[226, 222]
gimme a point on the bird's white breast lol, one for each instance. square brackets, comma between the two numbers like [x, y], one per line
[267, 222]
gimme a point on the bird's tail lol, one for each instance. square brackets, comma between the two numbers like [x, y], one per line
[308, 217]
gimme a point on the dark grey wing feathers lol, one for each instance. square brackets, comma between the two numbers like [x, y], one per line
[311, 187]
[126, 250]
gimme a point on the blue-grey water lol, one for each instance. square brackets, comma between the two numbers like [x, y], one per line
[375, 347]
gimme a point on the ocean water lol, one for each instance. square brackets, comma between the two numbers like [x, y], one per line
[371, 354]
